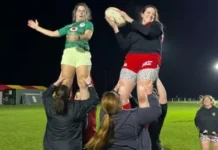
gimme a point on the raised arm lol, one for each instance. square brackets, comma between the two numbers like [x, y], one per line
[149, 114]
[50, 90]
[124, 43]
[86, 105]
[152, 30]
[57, 33]
[161, 92]
[89, 104]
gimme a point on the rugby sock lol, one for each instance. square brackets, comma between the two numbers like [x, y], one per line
[127, 106]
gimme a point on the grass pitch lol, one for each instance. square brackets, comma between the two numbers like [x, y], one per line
[22, 127]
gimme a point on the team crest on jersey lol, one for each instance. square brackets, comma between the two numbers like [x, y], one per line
[214, 114]
[82, 24]
[73, 29]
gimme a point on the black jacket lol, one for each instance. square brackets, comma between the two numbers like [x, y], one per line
[142, 39]
[207, 119]
[64, 132]
[129, 126]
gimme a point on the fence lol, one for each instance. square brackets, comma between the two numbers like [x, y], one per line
[197, 101]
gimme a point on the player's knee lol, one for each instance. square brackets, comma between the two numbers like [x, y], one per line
[123, 91]
[141, 98]
[67, 82]
[141, 93]
[124, 94]
[66, 78]
[145, 87]
[81, 83]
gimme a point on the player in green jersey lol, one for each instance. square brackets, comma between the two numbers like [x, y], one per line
[76, 58]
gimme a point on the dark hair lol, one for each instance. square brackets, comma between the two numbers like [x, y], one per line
[156, 11]
[61, 98]
[156, 18]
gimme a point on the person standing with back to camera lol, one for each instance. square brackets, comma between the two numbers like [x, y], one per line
[143, 60]
[64, 117]
[76, 58]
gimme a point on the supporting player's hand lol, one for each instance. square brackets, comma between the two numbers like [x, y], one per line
[117, 87]
[33, 24]
[72, 37]
[126, 17]
[155, 92]
[148, 88]
[112, 23]
[88, 81]
[59, 81]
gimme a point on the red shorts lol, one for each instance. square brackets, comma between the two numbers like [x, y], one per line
[137, 62]
[89, 132]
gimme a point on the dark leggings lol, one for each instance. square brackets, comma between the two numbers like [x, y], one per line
[155, 129]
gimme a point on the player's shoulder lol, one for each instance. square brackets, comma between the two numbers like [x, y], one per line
[69, 25]
[88, 23]
[84, 24]
[201, 109]
[157, 23]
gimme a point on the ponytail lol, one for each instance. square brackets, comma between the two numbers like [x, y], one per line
[103, 136]
[59, 105]
[61, 99]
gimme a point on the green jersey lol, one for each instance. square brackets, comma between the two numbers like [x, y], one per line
[77, 28]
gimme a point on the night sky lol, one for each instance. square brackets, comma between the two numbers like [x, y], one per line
[190, 49]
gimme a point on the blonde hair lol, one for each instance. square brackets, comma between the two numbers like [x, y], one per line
[202, 98]
[88, 11]
[111, 105]
[156, 17]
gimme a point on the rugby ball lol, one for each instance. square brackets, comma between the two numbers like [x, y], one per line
[114, 14]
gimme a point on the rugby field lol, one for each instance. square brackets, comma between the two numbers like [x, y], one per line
[22, 127]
